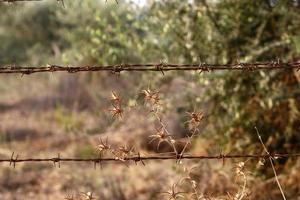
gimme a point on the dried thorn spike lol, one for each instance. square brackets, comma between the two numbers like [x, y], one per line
[161, 136]
[88, 195]
[173, 194]
[115, 98]
[116, 111]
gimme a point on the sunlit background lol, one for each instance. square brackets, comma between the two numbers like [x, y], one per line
[42, 115]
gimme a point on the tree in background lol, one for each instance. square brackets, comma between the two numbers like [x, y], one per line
[225, 32]
[181, 31]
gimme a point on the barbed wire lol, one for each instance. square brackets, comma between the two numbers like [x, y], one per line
[15, 159]
[161, 67]
[20, 1]
[14, 1]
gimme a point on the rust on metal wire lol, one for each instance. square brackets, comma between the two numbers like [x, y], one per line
[20, 1]
[26, 70]
[13, 1]
[138, 158]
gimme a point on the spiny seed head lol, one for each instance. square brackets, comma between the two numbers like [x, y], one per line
[88, 196]
[173, 194]
[115, 98]
[195, 119]
[151, 97]
[240, 168]
[69, 197]
[116, 111]
[161, 136]
[103, 146]
[196, 116]
[126, 150]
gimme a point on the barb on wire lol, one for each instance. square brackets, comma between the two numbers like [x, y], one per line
[161, 67]
[13, 160]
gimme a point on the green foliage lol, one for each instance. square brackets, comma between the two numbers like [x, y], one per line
[69, 120]
[85, 151]
[28, 31]
[224, 31]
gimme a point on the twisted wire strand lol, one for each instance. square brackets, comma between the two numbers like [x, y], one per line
[161, 67]
[154, 157]
[12, 1]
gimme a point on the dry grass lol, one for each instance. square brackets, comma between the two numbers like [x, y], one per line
[75, 130]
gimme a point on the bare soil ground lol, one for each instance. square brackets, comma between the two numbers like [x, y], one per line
[41, 116]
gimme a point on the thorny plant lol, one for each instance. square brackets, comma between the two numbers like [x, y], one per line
[82, 196]
[173, 193]
[103, 146]
[195, 118]
[193, 184]
[119, 153]
[123, 152]
[69, 197]
[152, 98]
[116, 110]
[88, 196]
[161, 136]
[240, 173]
[126, 152]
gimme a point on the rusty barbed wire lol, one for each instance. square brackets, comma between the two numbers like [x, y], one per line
[13, 1]
[160, 67]
[59, 1]
[59, 159]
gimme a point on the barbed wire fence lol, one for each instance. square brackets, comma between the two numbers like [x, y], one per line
[126, 155]
[59, 1]
[13, 160]
[160, 67]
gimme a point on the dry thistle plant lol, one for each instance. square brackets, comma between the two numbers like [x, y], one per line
[82, 196]
[192, 183]
[115, 98]
[152, 98]
[69, 197]
[123, 152]
[161, 136]
[88, 195]
[116, 110]
[195, 119]
[173, 194]
[103, 146]
[242, 192]
[118, 153]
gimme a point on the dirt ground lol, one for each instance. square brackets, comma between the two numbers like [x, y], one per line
[41, 116]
